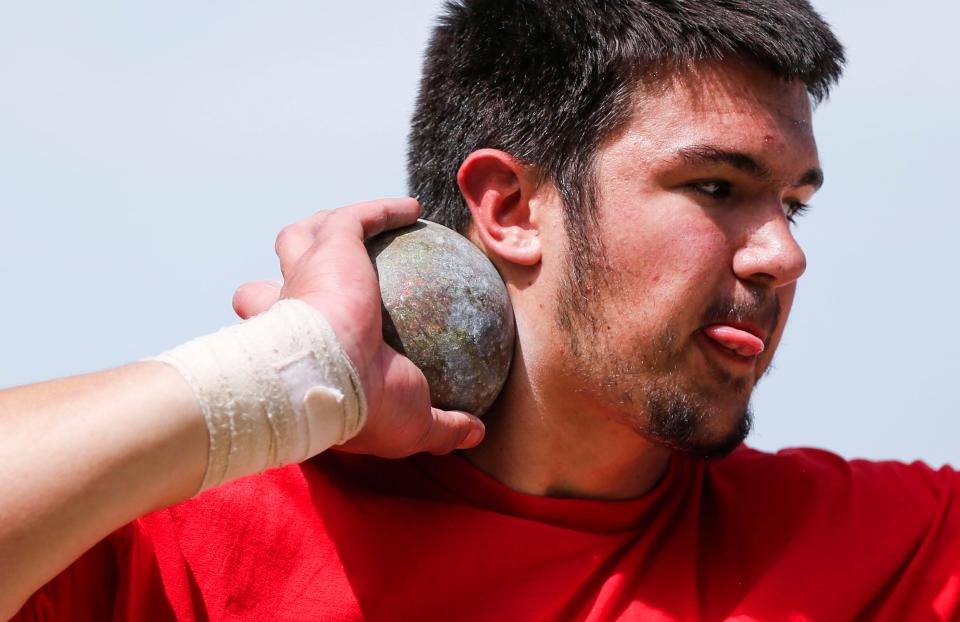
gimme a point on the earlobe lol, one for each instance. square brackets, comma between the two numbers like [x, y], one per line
[498, 190]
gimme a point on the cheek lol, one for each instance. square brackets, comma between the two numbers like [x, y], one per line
[666, 266]
[663, 279]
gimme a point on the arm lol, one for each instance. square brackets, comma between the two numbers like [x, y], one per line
[82, 456]
[85, 455]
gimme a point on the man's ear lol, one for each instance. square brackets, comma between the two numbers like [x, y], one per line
[498, 190]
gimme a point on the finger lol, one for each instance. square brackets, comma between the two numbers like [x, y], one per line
[386, 214]
[363, 220]
[373, 217]
[255, 297]
[451, 430]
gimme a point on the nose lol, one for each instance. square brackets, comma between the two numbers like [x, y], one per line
[769, 253]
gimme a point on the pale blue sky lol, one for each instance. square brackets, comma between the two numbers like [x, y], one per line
[149, 153]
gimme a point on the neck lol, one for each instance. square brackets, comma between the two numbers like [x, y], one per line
[539, 445]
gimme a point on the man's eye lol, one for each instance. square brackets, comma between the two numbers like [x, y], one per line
[713, 189]
[794, 210]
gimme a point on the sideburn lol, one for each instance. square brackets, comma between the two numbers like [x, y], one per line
[586, 274]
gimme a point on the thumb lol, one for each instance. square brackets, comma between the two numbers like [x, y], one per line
[255, 297]
[451, 429]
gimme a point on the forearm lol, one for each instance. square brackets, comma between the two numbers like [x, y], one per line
[83, 456]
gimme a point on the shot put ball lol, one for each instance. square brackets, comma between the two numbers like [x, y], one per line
[446, 308]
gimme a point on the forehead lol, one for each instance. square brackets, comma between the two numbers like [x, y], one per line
[730, 104]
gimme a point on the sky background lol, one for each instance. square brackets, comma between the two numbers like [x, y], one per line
[150, 152]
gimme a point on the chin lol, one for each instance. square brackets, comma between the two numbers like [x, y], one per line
[720, 446]
[684, 423]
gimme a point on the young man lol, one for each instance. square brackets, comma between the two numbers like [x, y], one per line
[632, 169]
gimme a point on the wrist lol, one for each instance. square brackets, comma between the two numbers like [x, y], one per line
[273, 390]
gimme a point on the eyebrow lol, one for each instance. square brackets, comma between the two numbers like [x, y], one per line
[706, 154]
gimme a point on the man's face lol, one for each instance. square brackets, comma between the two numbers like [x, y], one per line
[696, 195]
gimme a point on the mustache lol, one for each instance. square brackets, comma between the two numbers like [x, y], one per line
[760, 306]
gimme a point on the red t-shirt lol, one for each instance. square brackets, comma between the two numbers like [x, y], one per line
[799, 535]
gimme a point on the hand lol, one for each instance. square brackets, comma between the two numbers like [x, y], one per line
[325, 263]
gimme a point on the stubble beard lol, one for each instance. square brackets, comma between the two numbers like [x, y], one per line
[646, 384]
[689, 419]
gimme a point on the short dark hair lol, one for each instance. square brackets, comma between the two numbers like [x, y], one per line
[547, 81]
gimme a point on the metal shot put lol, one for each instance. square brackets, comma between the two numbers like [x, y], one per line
[446, 308]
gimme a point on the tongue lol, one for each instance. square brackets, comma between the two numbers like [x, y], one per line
[740, 341]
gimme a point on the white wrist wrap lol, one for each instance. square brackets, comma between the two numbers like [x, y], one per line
[274, 390]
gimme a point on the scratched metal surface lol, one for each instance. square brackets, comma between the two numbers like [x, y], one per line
[447, 309]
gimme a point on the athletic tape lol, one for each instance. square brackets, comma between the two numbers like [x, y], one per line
[274, 390]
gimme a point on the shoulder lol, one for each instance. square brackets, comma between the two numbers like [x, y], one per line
[811, 489]
[249, 499]
[227, 550]
[887, 532]
[275, 508]
[810, 473]
[265, 504]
